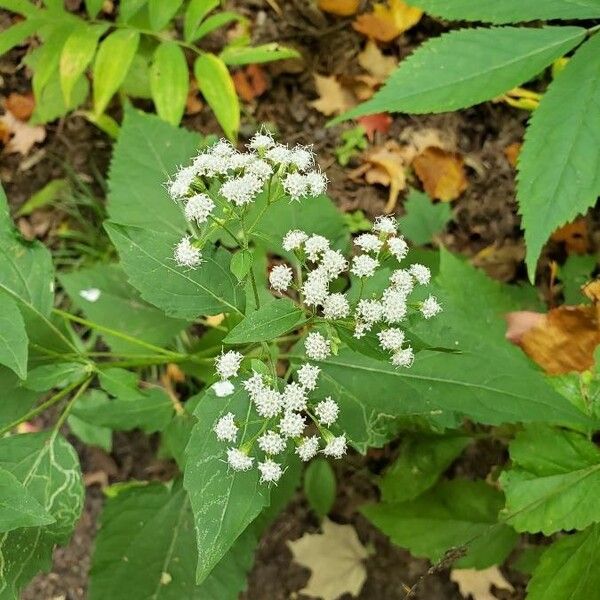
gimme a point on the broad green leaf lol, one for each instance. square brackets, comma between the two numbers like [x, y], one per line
[320, 486]
[241, 263]
[23, 7]
[147, 258]
[553, 185]
[149, 152]
[50, 105]
[486, 62]
[169, 82]
[575, 273]
[216, 85]
[77, 54]
[11, 37]
[129, 9]
[13, 337]
[102, 293]
[244, 55]
[90, 433]
[567, 569]
[423, 219]
[57, 375]
[19, 508]
[162, 11]
[194, 14]
[93, 7]
[421, 462]
[214, 22]
[455, 514]
[224, 502]
[109, 72]
[16, 400]
[554, 475]
[137, 81]
[267, 323]
[510, 11]
[48, 468]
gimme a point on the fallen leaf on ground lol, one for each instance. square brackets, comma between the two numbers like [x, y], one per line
[478, 583]
[20, 105]
[574, 236]
[441, 173]
[379, 122]
[23, 136]
[342, 8]
[512, 153]
[416, 140]
[250, 82]
[374, 62]
[335, 559]
[387, 21]
[501, 262]
[334, 99]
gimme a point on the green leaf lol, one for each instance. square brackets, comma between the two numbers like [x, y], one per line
[51, 104]
[241, 263]
[19, 508]
[90, 433]
[93, 7]
[16, 401]
[567, 568]
[423, 219]
[421, 462]
[77, 54]
[320, 486]
[48, 468]
[13, 36]
[485, 63]
[146, 257]
[216, 85]
[162, 11]
[455, 514]
[108, 72]
[575, 273]
[509, 11]
[553, 187]
[129, 9]
[554, 474]
[137, 81]
[219, 20]
[53, 190]
[102, 293]
[22, 7]
[13, 337]
[169, 82]
[244, 55]
[266, 323]
[194, 14]
[57, 375]
[224, 502]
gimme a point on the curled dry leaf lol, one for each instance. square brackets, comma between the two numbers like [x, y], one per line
[388, 20]
[342, 8]
[250, 82]
[478, 584]
[333, 99]
[574, 236]
[22, 136]
[442, 173]
[20, 105]
[335, 559]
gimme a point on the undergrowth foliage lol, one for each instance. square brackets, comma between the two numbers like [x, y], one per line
[245, 328]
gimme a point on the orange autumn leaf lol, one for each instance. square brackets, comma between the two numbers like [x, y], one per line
[574, 236]
[250, 83]
[20, 105]
[442, 173]
[341, 8]
[379, 122]
[387, 21]
[512, 153]
[333, 99]
[375, 62]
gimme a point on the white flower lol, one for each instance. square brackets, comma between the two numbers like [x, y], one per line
[391, 339]
[302, 157]
[179, 186]
[187, 255]
[333, 263]
[316, 346]
[336, 306]
[327, 411]
[270, 471]
[294, 185]
[226, 429]
[198, 208]
[398, 247]
[421, 273]
[294, 397]
[271, 442]
[385, 224]
[308, 448]
[394, 306]
[294, 239]
[240, 161]
[292, 424]
[364, 265]
[314, 246]
[261, 141]
[315, 288]
[223, 148]
[254, 385]
[223, 389]
[402, 280]
[241, 190]
[238, 460]
[261, 168]
[403, 358]
[308, 375]
[430, 307]
[209, 165]
[317, 183]
[228, 364]
[279, 154]
[280, 277]
[336, 447]
[368, 242]
[268, 403]
[369, 311]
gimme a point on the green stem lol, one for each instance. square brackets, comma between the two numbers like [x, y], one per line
[254, 287]
[70, 403]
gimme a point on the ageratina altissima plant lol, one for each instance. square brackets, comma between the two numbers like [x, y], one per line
[328, 286]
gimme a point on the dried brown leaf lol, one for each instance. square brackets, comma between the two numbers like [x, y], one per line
[20, 105]
[478, 584]
[574, 236]
[442, 173]
[387, 21]
[374, 62]
[333, 99]
[341, 8]
[23, 136]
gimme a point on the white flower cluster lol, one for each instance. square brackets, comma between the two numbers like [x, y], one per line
[285, 416]
[238, 178]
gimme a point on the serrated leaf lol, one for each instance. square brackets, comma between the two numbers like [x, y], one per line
[485, 63]
[13, 337]
[554, 473]
[423, 219]
[266, 323]
[510, 11]
[566, 569]
[244, 55]
[454, 514]
[162, 11]
[559, 176]
[169, 82]
[108, 72]
[194, 14]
